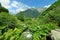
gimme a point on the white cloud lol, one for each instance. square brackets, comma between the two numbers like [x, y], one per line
[19, 9]
[5, 3]
[22, 7]
[14, 6]
[47, 6]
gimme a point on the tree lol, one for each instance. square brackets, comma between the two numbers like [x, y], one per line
[7, 21]
[20, 16]
[0, 4]
[2, 9]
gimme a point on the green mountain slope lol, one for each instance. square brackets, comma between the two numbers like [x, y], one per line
[52, 14]
[30, 13]
[53, 8]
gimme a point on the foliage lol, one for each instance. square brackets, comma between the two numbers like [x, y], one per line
[14, 27]
[20, 16]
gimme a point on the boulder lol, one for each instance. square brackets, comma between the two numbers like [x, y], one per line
[55, 34]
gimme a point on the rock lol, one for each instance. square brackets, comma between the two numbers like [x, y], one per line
[55, 34]
[26, 35]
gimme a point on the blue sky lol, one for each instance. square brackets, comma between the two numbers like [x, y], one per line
[37, 3]
[15, 6]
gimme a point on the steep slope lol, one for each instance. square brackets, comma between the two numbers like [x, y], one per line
[54, 7]
[52, 14]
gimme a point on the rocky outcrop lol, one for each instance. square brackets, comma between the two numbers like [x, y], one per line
[55, 34]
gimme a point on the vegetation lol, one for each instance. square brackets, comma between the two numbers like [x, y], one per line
[19, 27]
[30, 13]
[20, 16]
[2, 9]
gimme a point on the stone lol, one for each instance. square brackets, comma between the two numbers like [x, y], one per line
[55, 34]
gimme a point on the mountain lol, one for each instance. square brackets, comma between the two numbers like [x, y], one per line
[32, 12]
[40, 9]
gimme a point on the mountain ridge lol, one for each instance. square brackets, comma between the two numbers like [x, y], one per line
[32, 12]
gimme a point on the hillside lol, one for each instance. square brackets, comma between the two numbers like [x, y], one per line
[52, 14]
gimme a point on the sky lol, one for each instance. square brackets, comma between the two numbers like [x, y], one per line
[15, 6]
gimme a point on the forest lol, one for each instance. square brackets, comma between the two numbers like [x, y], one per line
[22, 27]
